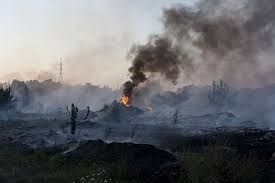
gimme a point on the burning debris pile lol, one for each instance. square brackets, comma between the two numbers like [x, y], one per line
[118, 112]
[125, 100]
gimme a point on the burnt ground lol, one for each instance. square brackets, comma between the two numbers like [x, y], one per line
[224, 155]
[135, 147]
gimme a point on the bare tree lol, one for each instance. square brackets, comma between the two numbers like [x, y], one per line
[108, 131]
[133, 132]
[175, 116]
[218, 93]
[5, 95]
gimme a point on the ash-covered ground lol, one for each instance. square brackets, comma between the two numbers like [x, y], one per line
[186, 112]
[162, 137]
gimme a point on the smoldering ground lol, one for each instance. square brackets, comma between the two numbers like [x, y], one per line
[229, 40]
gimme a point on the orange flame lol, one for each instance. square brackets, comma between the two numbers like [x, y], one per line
[125, 100]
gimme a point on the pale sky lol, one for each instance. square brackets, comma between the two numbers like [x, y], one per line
[91, 36]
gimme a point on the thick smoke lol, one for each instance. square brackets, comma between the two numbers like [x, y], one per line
[157, 56]
[49, 96]
[226, 39]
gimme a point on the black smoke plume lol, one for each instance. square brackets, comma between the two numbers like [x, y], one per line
[226, 39]
[157, 56]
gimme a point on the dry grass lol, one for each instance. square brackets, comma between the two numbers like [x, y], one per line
[218, 163]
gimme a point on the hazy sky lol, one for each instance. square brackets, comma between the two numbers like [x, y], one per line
[92, 37]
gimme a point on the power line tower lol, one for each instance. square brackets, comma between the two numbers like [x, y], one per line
[60, 77]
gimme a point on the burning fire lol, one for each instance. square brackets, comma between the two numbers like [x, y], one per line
[125, 100]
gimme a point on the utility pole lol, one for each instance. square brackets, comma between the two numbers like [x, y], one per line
[60, 77]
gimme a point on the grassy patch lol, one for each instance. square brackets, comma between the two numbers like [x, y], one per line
[217, 163]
